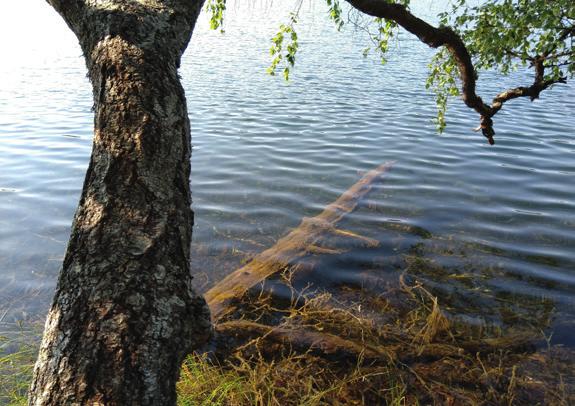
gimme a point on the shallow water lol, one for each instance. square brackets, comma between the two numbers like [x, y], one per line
[267, 153]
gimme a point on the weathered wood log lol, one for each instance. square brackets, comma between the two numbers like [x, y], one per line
[301, 241]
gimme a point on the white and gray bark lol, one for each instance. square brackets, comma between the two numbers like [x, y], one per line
[125, 315]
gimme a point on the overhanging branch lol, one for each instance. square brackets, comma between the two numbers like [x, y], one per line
[437, 37]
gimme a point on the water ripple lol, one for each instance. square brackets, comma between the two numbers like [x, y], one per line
[267, 153]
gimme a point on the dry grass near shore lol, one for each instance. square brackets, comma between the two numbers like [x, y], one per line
[399, 347]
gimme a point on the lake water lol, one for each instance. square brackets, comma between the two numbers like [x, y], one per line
[497, 221]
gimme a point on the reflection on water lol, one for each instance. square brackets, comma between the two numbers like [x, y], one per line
[481, 221]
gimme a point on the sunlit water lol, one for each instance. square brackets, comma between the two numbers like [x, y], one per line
[267, 153]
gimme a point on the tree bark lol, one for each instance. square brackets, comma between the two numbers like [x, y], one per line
[125, 315]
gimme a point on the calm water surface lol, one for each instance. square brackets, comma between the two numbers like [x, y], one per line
[267, 153]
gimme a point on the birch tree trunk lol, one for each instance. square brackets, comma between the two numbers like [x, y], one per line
[125, 315]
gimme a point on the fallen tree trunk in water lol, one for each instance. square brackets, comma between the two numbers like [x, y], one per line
[301, 241]
[350, 338]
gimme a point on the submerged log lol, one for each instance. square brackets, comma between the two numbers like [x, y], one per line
[392, 344]
[301, 241]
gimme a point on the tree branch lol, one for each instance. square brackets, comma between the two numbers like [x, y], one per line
[532, 92]
[437, 37]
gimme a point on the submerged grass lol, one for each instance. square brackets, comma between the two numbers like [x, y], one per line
[398, 348]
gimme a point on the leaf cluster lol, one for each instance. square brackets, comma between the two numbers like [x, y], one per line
[335, 13]
[216, 9]
[281, 52]
[506, 34]
[443, 81]
[385, 31]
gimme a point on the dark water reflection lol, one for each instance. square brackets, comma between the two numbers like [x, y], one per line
[498, 220]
